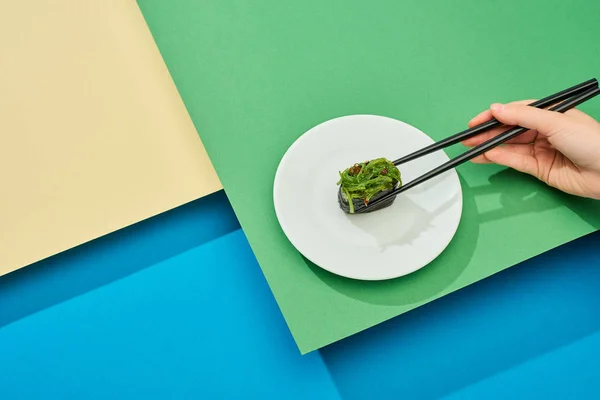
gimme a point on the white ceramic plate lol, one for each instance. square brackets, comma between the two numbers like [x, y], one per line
[384, 244]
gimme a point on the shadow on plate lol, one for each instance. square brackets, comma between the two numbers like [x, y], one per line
[415, 221]
[518, 194]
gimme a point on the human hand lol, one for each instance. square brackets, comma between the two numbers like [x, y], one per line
[562, 150]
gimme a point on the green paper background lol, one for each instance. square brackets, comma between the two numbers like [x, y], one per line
[255, 75]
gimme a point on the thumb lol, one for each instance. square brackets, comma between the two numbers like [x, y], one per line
[548, 123]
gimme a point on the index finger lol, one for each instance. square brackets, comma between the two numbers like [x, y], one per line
[487, 114]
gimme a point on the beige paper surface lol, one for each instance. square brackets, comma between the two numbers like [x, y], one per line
[93, 134]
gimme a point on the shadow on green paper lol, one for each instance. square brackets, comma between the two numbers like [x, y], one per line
[526, 195]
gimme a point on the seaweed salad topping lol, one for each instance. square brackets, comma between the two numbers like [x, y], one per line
[365, 180]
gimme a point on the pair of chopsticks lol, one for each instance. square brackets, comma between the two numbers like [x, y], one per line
[567, 99]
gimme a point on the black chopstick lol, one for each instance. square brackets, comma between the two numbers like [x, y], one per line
[493, 123]
[483, 148]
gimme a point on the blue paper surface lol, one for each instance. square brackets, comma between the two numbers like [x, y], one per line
[521, 314]
[202, 324]
[139, 314]
[570, 372]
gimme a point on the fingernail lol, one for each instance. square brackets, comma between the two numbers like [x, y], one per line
[497, 107]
